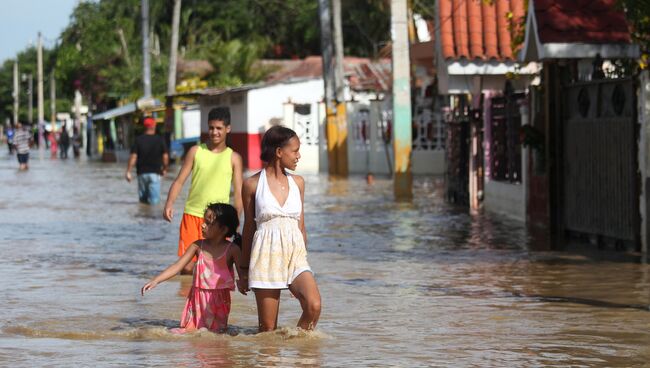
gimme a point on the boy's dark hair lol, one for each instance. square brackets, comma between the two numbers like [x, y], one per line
[220, 113]
[274, 138]
[226, 215]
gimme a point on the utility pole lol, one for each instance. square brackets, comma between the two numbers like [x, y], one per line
[145, 49]
[16, 92]
[339, 85]
[402, 142]
[39, 81]
[328, 78]
[30, 102]
[52, 101]
[173, 53]
[170, 116]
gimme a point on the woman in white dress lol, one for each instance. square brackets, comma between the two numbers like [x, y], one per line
[274, 236]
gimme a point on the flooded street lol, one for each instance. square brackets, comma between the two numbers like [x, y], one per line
[422, 284]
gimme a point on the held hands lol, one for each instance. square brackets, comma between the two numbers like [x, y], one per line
[148, 286]
[242, 285]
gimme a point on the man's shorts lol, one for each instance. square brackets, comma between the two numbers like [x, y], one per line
[190, 232]
[23, 158]
[149, 188]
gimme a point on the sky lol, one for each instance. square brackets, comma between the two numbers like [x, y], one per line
[21, 20]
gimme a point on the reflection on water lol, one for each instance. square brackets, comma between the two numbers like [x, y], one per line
[403, 284]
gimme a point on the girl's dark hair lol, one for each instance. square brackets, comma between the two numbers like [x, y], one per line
[274, 138]
[225, 215]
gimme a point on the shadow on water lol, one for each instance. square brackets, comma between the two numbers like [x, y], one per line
[484, 294]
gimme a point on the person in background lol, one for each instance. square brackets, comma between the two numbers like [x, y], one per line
[22, 142]
[64, 141]
[10, 138]
[54, 139]
[215, 168]
[76, 142]
[150, 156]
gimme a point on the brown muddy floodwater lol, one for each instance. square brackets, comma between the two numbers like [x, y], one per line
[406, 285]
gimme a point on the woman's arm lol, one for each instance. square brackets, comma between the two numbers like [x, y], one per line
[235, 258]
[172, 270]
[301, 185]
[248, 199]
[177, 185]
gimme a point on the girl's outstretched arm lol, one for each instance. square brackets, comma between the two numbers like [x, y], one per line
[172, 270]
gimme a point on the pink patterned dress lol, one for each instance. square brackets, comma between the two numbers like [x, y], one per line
[208, 303]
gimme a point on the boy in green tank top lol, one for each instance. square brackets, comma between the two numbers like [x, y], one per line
[215, 167]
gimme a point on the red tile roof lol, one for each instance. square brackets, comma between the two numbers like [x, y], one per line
[580, 21]
[475, 29]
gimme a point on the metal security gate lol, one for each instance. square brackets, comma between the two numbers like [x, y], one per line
[599, 159]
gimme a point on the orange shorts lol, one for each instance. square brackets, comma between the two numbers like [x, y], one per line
[189, 233]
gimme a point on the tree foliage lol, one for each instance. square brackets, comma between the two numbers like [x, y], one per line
[637, 13]
[100, 51]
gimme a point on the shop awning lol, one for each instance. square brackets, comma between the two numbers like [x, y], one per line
[118, 111]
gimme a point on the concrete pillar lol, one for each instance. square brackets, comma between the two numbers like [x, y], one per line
[403, 178]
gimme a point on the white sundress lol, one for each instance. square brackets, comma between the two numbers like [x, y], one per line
[278, 254]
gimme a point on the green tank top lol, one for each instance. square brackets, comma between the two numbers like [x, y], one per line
[211, 180]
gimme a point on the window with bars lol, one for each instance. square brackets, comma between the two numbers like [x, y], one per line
[505, 145]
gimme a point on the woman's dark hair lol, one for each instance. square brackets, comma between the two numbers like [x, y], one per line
[274, 138]
[225, 215]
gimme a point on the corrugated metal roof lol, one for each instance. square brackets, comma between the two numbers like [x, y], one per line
[118, 111]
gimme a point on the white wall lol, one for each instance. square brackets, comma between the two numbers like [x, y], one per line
[308, 127]
[505, 198]
[267, 103]
[235, 101]
[191, 123]
[270, 105]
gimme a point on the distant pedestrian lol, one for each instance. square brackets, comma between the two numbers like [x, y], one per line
[64, 142]
[10, 138]
[54, 139]
[208, 302]
[215, 168]
[22, 142]
[274, 239]
[76, 142]
[150, 156]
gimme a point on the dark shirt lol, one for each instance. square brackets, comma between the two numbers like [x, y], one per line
[150, 149]
[64, 139]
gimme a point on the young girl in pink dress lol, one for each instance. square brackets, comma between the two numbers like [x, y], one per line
[208, 303]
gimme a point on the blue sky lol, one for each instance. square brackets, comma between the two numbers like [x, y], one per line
[20, 21]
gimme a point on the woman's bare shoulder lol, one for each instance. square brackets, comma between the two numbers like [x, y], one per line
[299, 180]
[251, 181]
